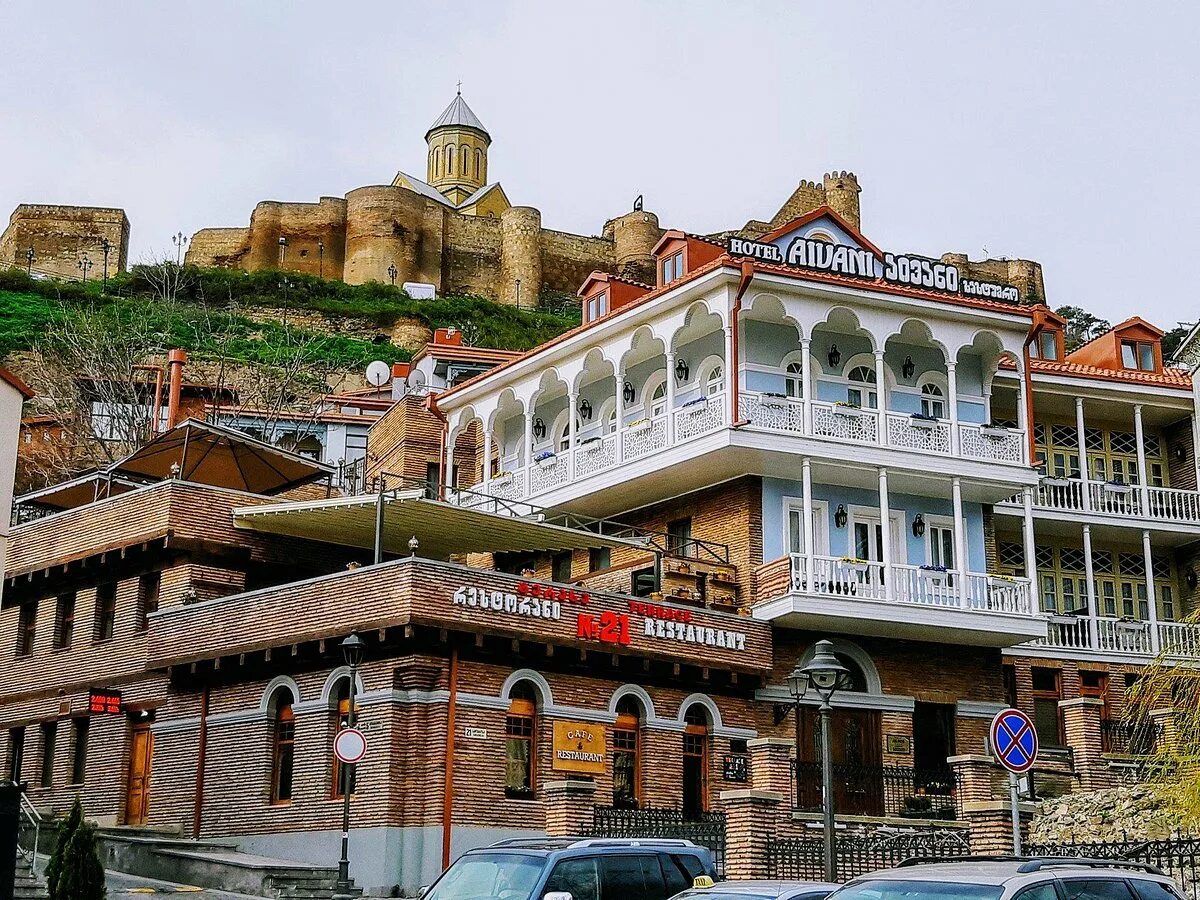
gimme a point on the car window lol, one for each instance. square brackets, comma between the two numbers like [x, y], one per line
[885, 889]
[620, 877]
[652, 875]
[1096, 889]
[676, 877]
[502, 876]
[1043, 891]
[1153, 890]
[691, 865]
[578, 876]
[809, 895]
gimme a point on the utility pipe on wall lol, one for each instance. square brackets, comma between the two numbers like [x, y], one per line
[448, 784]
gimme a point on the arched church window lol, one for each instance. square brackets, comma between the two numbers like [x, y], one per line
[464, 154]
[478, 163]
[450, 160]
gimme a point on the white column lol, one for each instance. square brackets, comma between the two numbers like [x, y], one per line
[1090, 574]
[810, 543]
[527, 454]
[1143, 476]
[619, 433]
[807, 382]
[1022, 410]
[885, 517]
[987, 403]
[572, 431]
[487, 458]
[960, 540]
[1030, 551]
[670, 398]
[1155, 642]
[952, 404]
[732, 374]
[1081, 449]
[881, 393]
[1196, 426]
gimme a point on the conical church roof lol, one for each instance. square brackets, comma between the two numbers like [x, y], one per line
[457, 114]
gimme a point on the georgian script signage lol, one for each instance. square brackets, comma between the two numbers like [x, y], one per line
[578, 747]
[853, 262]
[104, 703]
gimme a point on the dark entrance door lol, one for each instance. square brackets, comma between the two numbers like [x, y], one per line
[857, 751]
[933, 742]
[137, 785]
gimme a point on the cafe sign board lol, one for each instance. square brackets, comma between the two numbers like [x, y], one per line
[578, 747]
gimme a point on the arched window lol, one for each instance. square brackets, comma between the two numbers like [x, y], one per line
[344, 776]
[520, 741]
[283, 740]
[450, 160]
[479, 164]
[464, 155]
[862, 396]
[564, 436]
[714, 381]
[658, 400]
[932, 401]
[695, 761]
[627, 762]
[437, 161]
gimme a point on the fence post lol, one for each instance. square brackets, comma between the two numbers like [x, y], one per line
[570, 807]
[771, 764]
[1081, 724]
[751, 824]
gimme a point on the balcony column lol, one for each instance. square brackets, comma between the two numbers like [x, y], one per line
[806, 387]
[1143, 476]
[987, 403]
[1022, 410]
[527, 456]
[670, 398]
[572, 431]
[732, 374]
[1090, 573]
[885, 517]
[809, 525]
[881, 394]
[1030, 551]
[619, 429]
[1081, 449]
[1155, 642]
[960, 540]
[487, 458]
[952, 404]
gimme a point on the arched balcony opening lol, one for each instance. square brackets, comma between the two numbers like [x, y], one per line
[696, 382]
[921, 413]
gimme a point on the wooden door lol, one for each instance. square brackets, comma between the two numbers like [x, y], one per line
[137, 787]
[857, 746]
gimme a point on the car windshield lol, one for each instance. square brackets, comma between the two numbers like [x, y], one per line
[916, 890]
[489, 876]
[707, 894]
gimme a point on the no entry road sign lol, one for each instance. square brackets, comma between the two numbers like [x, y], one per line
[350, 745]
[1014, 740]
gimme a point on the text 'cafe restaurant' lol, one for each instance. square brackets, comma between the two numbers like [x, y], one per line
[479, 693]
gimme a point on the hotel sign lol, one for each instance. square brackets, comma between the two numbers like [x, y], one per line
[854, 262]
[578, 747]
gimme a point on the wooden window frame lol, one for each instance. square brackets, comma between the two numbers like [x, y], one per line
[521, 724]
[64, 619]
[26, 628]
[629, 727]
[283, 738]
[104, 623]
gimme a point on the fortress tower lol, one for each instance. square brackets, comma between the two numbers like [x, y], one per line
[458, 147]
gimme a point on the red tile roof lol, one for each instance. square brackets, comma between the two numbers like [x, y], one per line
[1173, 378]
[25, 390]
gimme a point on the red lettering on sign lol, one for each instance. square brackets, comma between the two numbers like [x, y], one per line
[104, 702]
[607, 628]
[654, 611]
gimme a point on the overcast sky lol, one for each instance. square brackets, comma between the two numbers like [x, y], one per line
[1064, 132]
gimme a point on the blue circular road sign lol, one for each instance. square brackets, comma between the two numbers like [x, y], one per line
[1014, 740]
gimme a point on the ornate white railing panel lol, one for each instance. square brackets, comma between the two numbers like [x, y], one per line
[548, 474]
[645, 439]
[596, 456]
[983, 442]
[700, 418]
[930, 435]
[775, 413]
[511, 487]
[845, 423]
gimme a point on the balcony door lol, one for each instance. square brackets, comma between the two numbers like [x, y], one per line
[137, 781]
[857, 751]
[866, 536]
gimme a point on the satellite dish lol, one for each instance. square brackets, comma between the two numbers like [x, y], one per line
[379, 373]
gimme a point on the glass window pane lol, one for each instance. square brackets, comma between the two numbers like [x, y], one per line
[1146, 354]
[1128, 355]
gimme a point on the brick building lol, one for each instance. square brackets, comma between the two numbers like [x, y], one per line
[587, 570]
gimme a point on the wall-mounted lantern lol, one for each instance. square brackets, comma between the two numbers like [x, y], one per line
[835, 356]
[585, 409]
[681, 370]
[908, 367]
[539, 428]
[918, 526]
[627, 392]
[840, 517]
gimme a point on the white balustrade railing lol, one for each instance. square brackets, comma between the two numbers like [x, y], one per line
[644, 437]
[1124, 636]
[866, 579]
[845, 423]
[1068, 632]
[1179, 639]
[1112, 498]
[1057, 493]
[596, 456]
[1173, 505]
[991, 442]
[699, 417]
[1128, 636]
[549, 473]
[509, 486]
[916, 433]
[774, 412]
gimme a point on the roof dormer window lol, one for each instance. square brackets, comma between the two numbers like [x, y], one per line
[672, 267]
[1047, 345]
[597, 306]
[1138, 355]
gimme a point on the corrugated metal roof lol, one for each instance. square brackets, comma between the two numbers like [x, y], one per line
[425, 189]
[457, 114]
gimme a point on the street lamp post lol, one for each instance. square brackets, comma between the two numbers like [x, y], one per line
[282, 250]
[84, 264]
[105, 246]
[180, 241]
[392, 273]
[320, 259]
[824, 674]
[30, 256]
[352, 651]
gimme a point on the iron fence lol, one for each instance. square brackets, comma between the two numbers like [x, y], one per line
[857, 853]
[1179, 857]
[706, 830]
[881, 791]
[1128, 738]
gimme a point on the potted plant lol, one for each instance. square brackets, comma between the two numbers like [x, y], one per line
[1056, 481]
[922, 421]
[1116, 486]
[696, 405]
[854, 564]
[934, 574]
[773, 400]
[996, 431]
[637, 425]
[502, 478]
[1001, 581]
[917, 807]
[546, 459]
[590, 445]
[847, 409]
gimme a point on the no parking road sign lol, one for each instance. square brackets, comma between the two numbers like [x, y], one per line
[350, 745]
[1014, 740]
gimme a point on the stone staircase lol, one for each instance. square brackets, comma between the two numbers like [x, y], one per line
[28, 886]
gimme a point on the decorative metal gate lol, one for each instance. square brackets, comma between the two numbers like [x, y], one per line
[1179, 857]
[804, 858]
[707, 831]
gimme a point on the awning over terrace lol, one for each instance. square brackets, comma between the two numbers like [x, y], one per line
[441, 528]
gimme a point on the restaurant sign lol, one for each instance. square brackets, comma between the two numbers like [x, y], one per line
[856, 262]
[578, 747]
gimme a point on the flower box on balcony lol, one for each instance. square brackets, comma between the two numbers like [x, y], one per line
[1132, 625]
[1117, 487]
[1001, 581]
[591, 445]
[502, 478]
[994, 431]
[1063, 619]
[698, 405]
[547, 459]
[1056, 482]
[934, 574]
[854, 564]
[927, 423]
[637, 425]
[848, 410]
[774, 401]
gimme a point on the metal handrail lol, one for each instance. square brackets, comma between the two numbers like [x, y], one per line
[35, 818]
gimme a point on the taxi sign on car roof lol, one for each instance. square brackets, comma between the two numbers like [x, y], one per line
[702, 881]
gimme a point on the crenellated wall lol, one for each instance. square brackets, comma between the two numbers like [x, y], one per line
[60, 236]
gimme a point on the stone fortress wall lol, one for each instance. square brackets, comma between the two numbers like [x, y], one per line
[60, 236]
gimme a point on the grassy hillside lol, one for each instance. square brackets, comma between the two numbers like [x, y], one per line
[208, 314]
